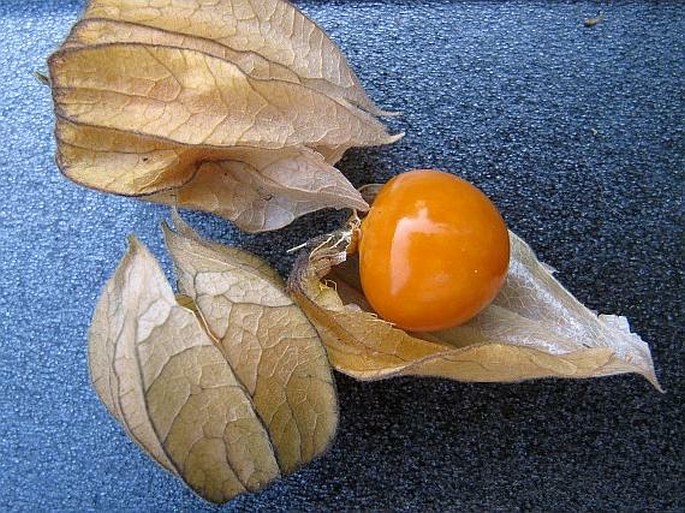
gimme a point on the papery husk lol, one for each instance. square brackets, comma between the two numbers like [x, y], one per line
[226, 385]
[534, 328]
[200, 105]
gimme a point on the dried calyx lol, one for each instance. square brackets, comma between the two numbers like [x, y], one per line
[231, 107]
[226, 384]
[534, 328]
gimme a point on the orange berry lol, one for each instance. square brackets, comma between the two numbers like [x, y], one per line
[433, 251]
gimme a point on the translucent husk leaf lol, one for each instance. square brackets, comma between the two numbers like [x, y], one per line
[266, 198]
[153, 99]
[192, 97]
[91, 31]
[534, 329]
[274, 350]
[273, 31]
[258, 189]
[225, 421]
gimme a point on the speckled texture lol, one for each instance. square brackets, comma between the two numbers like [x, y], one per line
[576, 133]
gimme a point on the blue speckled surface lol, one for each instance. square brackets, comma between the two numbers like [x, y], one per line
[576, 133]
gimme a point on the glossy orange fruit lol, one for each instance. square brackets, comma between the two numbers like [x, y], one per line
[433, 251]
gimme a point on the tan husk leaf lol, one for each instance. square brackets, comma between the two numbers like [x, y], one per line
[151, 100]
[225, 421]
[272, 347]
[534, 329]
[258, 189]
[191, 97]
[272, 31]
[292, 184]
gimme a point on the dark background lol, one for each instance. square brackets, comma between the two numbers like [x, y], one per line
[576, 133]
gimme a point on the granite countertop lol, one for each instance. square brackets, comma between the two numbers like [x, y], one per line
[577, 133]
